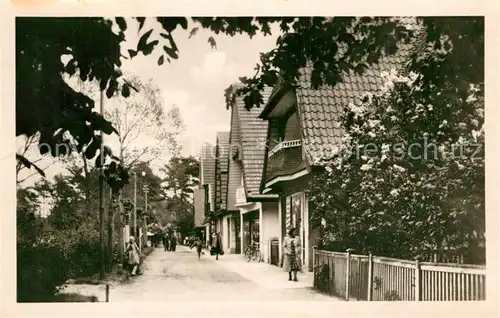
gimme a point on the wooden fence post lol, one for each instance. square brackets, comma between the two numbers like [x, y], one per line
[418, 286]
[348, 273]
[107, 293]
[370, 276]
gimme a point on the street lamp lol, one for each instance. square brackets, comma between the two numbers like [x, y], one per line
[145, 188]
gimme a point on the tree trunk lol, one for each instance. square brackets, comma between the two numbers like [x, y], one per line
[120, 226]
[111, 222]
[121, 245]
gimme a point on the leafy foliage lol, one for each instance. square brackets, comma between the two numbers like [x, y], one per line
[411, 166]
[449, 61]
[63, 245]
[182, 176]
[46, 104]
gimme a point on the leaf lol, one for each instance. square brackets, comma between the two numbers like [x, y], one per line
[113, 85]
[98, 161]
[143, 41]
[132, 53]
[141, 22]
[125, 91]
[212, 42]
[171, 52]
[28, 164]
[161, 60]
[193, 32]
[91, 150]
[148, 49]
[122, 24]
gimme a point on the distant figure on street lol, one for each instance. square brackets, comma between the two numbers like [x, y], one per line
[216, 246]
[166, 242]
[291, 250]
[133, 256]
[199, 247]
[173, 243]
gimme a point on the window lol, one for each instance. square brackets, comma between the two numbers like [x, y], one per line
[292, 128]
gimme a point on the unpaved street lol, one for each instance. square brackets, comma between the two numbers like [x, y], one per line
[180, 276]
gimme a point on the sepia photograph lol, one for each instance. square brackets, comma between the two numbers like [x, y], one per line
[310, 158]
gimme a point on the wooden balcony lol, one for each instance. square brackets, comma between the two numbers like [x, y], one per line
[285, 159]
[285, 145]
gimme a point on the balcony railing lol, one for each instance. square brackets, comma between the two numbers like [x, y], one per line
[240, 195]
[284, 145]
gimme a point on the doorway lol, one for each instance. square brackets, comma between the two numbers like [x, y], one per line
[237, 234]
[251, 228]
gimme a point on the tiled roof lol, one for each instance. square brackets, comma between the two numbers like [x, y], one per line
[199, 206]
[320, 109]
[208, 167]
[253, 132]
[222, 161]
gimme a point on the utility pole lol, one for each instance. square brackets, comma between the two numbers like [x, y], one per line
[145, 234]
[101, 199]
[135, 206]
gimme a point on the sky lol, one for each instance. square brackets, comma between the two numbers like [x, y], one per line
[195, 82]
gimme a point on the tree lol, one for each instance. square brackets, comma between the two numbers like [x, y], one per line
[181, 176]
[45, 103]
[143, 115]
[41, 42]
[411, 167]
[29, 147]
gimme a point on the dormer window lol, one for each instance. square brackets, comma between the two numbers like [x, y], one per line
[285, 132]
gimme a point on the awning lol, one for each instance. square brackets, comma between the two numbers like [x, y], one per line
[206, 220]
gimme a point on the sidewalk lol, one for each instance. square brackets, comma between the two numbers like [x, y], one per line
[263, 274]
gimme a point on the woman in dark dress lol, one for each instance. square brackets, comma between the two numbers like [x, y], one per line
[173, 243]
[216, 246]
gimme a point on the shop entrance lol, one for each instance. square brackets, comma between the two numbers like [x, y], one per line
[251, 228]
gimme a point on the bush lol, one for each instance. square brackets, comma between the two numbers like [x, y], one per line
[44, 264]
[41, 269]
[82, 250]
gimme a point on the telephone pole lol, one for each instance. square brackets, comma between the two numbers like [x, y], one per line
[135, 206]
[145, 234]
[102, 267]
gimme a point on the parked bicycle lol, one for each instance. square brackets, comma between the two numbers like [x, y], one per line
[252, 252]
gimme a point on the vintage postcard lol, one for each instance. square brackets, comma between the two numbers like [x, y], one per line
[204, 160]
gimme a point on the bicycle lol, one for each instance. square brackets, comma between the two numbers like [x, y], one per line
[252, 252]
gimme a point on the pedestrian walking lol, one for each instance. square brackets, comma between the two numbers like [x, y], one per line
[292, 249]
[216, 246]
[199, 247]
[133, 255]
[165, 242]
[173, 243]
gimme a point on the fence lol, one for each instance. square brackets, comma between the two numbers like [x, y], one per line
[373, 278]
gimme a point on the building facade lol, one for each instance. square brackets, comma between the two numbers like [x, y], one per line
[258, 213]
[304, 129]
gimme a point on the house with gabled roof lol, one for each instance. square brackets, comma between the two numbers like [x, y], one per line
[225, 215]
[204, 195]
[303, 129]
[258, 214]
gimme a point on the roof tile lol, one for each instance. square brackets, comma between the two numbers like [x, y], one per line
[253, 134]
[321, 109]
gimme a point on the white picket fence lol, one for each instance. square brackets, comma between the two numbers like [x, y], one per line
[374, 278]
